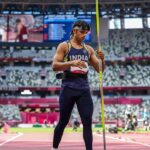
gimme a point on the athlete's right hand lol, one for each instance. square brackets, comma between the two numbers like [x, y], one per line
[79, 63]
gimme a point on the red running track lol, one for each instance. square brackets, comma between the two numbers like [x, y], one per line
[74, 141]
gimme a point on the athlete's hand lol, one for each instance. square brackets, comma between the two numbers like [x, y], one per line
[79, 63]
[100, 55]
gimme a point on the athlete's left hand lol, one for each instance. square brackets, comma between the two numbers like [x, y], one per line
[100, 55]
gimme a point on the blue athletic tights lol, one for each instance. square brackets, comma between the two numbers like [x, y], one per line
[83, 100]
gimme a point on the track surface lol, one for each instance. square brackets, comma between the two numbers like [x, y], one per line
[73, 141]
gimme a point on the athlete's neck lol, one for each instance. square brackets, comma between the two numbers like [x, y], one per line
[75, 43]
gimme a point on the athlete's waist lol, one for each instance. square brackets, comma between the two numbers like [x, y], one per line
[74, 75]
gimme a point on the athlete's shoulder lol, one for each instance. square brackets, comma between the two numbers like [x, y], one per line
[63, 47]
[89, 48]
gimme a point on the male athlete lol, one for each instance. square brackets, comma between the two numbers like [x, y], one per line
[73, 58]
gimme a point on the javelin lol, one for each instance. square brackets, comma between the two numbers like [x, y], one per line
[100, 75]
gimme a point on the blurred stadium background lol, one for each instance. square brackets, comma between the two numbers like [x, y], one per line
[28, 87]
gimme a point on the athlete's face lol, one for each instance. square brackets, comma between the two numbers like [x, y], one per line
[80, 34]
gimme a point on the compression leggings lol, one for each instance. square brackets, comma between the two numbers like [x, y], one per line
[83, 100]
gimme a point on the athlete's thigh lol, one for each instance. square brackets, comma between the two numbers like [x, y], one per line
[85, 105]
[66, 102]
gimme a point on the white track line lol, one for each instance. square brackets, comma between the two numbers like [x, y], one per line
[11, 139]
[124, 139]
[74, 141]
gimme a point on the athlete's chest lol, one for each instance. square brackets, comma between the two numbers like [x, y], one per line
[75, 54]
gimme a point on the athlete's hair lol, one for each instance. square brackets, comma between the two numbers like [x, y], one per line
[18, 20]
[80, 25]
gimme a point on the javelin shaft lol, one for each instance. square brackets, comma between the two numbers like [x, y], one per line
[97, 24]
[103, 116]
[100, 75]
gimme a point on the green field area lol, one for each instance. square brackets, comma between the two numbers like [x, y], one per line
[46, 130]
[67, 130]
